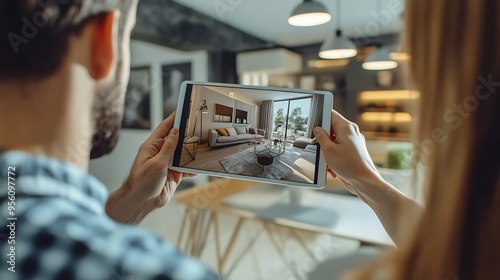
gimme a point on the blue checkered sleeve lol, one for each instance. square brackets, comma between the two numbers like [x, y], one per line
[76, 244]
[61, 231]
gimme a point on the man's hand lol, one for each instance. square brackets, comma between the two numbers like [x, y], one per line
[150, 184]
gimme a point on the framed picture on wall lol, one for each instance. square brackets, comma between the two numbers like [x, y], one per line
[137, 112]
[173, 76]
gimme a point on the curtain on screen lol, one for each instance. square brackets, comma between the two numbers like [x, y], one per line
[266, 117]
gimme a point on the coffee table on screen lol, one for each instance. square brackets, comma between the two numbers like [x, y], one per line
[255, 144]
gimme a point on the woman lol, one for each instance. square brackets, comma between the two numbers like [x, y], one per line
[455, 50]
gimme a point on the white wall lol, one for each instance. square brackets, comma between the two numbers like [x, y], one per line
[113, 169]
[213, 98]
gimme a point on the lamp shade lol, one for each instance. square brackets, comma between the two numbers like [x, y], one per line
[309, 13]
[380, 59]
[338, 47]
[204, 107]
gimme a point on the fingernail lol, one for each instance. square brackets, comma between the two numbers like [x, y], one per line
[317, 130]
[174, 132]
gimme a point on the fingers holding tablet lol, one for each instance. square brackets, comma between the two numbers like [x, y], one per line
[345, 150]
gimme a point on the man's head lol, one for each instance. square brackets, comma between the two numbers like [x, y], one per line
[36, 39]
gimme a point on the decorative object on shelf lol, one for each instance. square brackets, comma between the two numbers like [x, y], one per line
[338, 46]
[223, 113]
[393, 129]
[309, 13]
[240, 115]
[380, 108]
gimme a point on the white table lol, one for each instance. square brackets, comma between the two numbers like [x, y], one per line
[318, 212]
[339, 215]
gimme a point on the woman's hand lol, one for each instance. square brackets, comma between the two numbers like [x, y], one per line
[150, 184]
[346, 153]
[348, 159]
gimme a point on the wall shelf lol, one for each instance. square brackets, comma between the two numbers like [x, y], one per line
[387, 114]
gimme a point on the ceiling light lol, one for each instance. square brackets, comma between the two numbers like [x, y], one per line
[379, 60]
[338, 47]
[309, 13]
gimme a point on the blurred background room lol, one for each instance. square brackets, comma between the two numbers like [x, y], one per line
[351, 48]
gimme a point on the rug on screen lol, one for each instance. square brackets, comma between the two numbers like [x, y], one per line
[245, 163]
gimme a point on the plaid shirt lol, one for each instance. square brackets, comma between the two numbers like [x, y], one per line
[61, 230]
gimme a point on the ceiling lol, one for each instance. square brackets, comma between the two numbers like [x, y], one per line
[268, 19]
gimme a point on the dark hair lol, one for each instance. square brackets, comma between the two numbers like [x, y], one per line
[34, 35]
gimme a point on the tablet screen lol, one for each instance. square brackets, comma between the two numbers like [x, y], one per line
[257, 133]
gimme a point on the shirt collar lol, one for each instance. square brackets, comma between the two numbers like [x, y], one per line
[43, 176]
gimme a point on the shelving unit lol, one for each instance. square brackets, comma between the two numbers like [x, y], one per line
[387, 115]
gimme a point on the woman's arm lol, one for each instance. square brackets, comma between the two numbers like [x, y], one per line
[394, 209]
[347, 157]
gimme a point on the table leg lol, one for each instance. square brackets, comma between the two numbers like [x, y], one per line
[280, 250]
[230, 246]
[217, 243]
[200, 227]
[301, 241]
[206, 231]
[183, 226]
[245, 251]
[192, 232]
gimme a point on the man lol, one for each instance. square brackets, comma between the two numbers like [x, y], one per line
[64, 67]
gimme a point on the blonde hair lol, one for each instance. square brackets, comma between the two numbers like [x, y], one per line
[455, 50]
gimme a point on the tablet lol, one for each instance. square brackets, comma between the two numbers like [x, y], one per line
[252, 133]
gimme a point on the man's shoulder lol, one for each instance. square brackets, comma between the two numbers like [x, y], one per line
[60, 240]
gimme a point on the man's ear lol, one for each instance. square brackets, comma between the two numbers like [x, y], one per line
[102, 45]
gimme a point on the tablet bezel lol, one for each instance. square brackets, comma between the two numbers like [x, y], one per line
[322, 168]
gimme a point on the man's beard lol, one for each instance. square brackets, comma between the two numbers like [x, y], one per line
[108, 114]
[110, 101]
